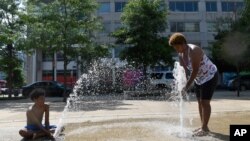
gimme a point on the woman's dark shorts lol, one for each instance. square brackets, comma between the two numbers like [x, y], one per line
[206, 90]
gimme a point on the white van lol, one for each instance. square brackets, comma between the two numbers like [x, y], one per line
[161, 79]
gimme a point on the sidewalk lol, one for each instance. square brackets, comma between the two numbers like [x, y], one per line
[93, 109]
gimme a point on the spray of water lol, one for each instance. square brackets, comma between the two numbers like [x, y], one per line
[71, 104]
[89, 84]
[96, 81]
[177, 94]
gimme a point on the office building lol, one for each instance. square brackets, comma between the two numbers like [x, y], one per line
[197, 19]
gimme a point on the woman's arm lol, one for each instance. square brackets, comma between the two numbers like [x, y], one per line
[183, 65]
[196, 56]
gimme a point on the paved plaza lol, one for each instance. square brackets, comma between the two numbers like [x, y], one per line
[95, 110]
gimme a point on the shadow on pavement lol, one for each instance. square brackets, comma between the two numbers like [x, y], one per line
[225, 95]
[106, 102]
[220, 136]
[90, 103]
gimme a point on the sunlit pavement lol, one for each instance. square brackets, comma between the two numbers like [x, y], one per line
[98, 108]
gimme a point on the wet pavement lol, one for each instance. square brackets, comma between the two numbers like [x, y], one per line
[96, 109]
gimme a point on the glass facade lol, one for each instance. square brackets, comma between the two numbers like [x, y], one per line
[119, 6]
[226, 26]
[180, 6]
[104, 7]
[231, 6]
[211, 6]
[184, 27]
[49, 56]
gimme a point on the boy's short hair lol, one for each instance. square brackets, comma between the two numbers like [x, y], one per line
[36, 93]
[177, 38]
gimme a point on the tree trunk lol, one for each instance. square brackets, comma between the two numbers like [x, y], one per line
[53, 67]
[10, 69]
[65, 77]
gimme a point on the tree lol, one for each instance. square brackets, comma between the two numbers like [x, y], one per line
[61, 25]
[217, 54]
[244, 22]
[90, 54]
[11, 30]
[143, 21]
[233, 46]
[18, 78]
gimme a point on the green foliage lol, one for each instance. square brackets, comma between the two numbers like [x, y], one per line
[142, 21]
[12, 67]
[11, 30]
[245, 18]
[232, 48]
[89, 54]
[61, 25]
[11, 27]
[5, 61]
[217, 53]
[17, 78]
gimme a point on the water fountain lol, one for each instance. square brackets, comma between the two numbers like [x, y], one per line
[178, 95]
[122, 126]
[90, 84]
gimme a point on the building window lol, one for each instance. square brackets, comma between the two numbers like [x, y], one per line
[104, 7]
[70, 76]
[50, 56]
[231, 6]
[211, 6]
[190, 6]
[59, 56]
[212, 27]
[184, 27]
[179, 6]
[226, 26]
[191, 27]
[119, 6]
[216, 26]
[47, 56]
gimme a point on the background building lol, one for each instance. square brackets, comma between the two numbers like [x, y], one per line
[197, 19]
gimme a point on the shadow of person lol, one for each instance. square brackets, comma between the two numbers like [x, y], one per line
[38, 139]
[220, 136]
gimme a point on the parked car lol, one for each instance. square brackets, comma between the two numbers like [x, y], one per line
[244, 82]
[5, 91]
[162, 79]
[3, 88]
[51, 88]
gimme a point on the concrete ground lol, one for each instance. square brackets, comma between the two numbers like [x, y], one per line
[120, 119]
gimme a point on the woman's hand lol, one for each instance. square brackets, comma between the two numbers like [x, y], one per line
[184, 91]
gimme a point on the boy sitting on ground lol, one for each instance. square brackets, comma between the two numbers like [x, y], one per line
[35, 128]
